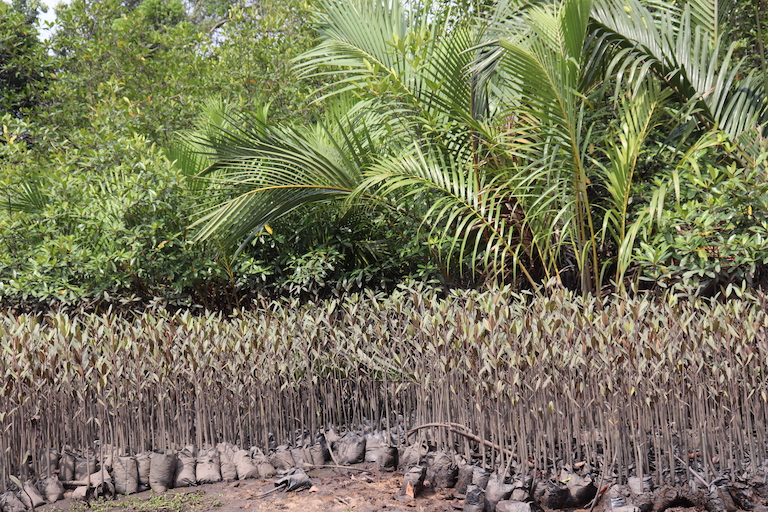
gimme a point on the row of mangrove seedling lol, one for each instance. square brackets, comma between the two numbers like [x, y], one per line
[641, 385]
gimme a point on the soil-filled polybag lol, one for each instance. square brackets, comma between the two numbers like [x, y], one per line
[208, 469]
[266, 470]
[67, 466]
[374, 443]
[464, 477]
[49, 462]
[413, 455]
[442, 472]
[103, 489]
[162, 469]
[320, 454]
[413, 480]
[351, 448]
[551, 494]
[244, 465]
[185, 469]
[228, 469]
[294, 480]
[474, 501]
[300, 457]
[719, 499]
[480, 477]
[98, 477]
[388, 458]
[282, 458]
[106, 456]
[52, 489]
[144, 462]
[581, 489]
[495, 491]
[10, 502]
[84, 466]
[80, 493]
[30, 496]
[331, 437]
[513, 506]
[125, 475]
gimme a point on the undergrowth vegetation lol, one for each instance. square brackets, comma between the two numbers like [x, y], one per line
[557, 379]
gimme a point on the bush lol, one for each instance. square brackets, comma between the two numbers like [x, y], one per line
[714, 237]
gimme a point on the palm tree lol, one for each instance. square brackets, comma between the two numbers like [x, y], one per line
[485, 128]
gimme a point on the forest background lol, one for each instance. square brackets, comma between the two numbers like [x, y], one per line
[206, 153]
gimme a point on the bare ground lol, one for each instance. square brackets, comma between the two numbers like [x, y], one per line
[334, 490]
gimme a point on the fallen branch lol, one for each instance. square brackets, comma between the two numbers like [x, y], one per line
[694, 473]
[218, 25]
[83, 483]
[462, 431]
[271, 491]
[333, 466]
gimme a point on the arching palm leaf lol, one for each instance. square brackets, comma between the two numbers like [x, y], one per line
[259, 172]
[685, 55]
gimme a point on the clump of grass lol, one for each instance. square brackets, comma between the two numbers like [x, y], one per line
[168, 502]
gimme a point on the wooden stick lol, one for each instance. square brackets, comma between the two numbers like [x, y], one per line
[463, 431]
[333, 466]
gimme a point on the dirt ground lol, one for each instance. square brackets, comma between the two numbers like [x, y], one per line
[363, 489]
[334, 490]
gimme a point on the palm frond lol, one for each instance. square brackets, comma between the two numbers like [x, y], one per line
[546, 69]
[638, 114]
[464, 208]
[29, 198]
[259, 172]
[413, 60]
[687, 57]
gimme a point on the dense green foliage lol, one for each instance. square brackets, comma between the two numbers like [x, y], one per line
[205, 152]
[24, 66]
[519, 137]
[95, 212]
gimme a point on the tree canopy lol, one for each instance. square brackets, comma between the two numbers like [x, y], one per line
[204, 152]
